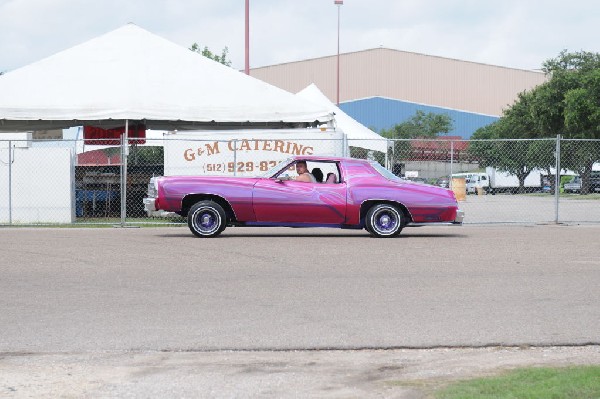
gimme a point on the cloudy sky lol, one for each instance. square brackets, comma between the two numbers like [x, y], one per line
[511, 33]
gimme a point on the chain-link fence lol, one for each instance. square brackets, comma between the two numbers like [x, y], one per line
[496, 181]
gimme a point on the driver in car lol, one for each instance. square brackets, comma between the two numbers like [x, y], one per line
[303, 173]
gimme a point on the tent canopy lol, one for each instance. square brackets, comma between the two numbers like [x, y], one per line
[132, 74]
[358, 135]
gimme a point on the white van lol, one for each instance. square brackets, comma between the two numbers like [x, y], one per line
[477, 180]
[473, 180]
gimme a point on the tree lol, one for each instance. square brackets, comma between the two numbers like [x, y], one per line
[567, 104]
[491, 146]
[209, 54]
[146, 155]
[421, 125]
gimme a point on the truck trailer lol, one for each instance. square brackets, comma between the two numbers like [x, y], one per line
[494, 181]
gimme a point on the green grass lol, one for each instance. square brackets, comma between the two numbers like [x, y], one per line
[530, 383]
[579, 196]
[109, 222]
[131, 221]
[565, 196]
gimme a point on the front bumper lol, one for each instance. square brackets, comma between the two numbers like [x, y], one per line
[149, 204]
[151, 211]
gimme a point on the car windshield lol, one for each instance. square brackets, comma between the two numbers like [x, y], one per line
[384, 172]
[271, 172]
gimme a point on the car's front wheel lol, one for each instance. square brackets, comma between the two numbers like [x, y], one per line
[384, 220]
[207, 219]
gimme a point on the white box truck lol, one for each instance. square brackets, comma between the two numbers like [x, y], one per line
[495, 181]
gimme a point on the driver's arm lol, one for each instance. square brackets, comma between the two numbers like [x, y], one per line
[304, 178]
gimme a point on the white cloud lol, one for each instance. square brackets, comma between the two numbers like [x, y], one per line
[510, 33]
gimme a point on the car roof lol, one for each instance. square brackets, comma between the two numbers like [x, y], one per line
[327, 158]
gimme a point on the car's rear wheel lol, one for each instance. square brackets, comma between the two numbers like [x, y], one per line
[207, 219]
[384, 220]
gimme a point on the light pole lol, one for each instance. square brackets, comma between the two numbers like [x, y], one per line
[339, 4]
[247, 40]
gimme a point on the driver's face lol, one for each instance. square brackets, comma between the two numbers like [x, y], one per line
[301, 168]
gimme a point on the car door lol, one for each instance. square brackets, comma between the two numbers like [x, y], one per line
[279, 201]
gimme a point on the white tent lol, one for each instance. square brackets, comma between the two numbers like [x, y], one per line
[358, 135]
[132, 74]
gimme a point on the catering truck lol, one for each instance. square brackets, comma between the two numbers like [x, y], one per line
[245, 152]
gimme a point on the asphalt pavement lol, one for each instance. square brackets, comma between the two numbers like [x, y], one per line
[287, 313]
[73, 289]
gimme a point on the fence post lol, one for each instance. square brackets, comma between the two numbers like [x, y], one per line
[124, 140]
[557, 179]
[73, 172]
[9, 182]
[451, 163]
[235, 157]
[386, 161]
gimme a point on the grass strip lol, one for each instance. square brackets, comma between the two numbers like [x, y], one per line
[582, 382]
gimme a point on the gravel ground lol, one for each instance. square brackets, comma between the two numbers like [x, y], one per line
[401, 373]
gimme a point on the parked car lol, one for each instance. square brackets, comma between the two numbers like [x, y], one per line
[595, 181]
[443, 182]
[574, 186]
[417, 179]
[365, 195]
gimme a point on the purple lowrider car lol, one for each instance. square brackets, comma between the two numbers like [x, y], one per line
[358, 194]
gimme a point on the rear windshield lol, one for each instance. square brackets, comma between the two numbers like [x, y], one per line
[384, 172]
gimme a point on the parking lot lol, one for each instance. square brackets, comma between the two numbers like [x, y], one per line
[532, 208]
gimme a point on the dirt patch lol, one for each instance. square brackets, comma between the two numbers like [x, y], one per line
[401, 373]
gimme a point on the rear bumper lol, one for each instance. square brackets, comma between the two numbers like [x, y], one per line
[458, 220]
[460, 215]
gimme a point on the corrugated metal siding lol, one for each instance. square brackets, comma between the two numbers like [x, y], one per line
[382, 113]
[415, 78]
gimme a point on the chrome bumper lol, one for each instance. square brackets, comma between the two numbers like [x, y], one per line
[149, 205]
[460, 215]
[151, 211]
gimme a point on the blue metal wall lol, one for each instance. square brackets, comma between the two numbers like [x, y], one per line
[382, 113]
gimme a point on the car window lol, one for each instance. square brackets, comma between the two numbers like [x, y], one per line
[277, 168]
[384, 172]
[287, 168]
[326, 167]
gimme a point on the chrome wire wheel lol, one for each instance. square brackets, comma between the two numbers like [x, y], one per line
[384, 220]
[206, 219]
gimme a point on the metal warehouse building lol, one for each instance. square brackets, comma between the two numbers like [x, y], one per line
[382, 87]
